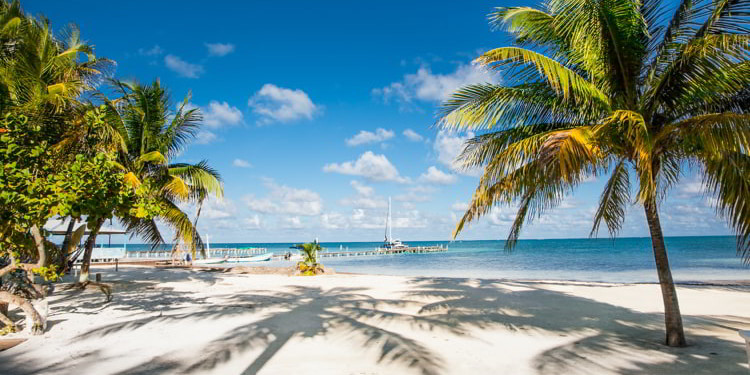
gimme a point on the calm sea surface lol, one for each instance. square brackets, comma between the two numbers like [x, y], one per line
[621, 260]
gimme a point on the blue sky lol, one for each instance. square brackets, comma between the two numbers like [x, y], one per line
[316, 112]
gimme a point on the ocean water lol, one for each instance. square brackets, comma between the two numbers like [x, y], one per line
[621, 260]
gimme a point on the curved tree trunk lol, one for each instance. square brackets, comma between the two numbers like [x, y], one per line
[89, 249]
[37, 326]
[672, 316]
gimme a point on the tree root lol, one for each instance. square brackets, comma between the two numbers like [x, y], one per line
[37, 325]
[88, 284]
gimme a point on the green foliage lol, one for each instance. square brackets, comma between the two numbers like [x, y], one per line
[48, 273]
[309, 265]
[607, 88]
[153, 135]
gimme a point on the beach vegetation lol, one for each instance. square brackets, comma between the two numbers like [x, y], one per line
[309, 265]
[634, 92]
[68, 151]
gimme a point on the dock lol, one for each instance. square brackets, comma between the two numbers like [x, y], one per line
[215, 253]
[382, 251]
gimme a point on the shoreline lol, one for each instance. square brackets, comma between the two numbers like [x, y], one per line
[283, 270]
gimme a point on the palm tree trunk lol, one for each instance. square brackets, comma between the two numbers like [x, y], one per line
[89, 249]
[672, 317]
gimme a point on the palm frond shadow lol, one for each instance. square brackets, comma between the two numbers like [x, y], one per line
[627, 347]
[302, 312]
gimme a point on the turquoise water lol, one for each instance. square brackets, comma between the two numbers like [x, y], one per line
[621, 260]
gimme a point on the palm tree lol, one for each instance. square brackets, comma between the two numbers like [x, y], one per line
[635, 91]
[153, 135]
[309, 264]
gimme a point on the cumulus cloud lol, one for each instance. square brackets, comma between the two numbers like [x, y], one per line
[362, 189]
[252, 223]
[219, 49]
[218, 114]
[448, 146]
[426, 86]
[278, 104]
[370, 166]
[364, 137]
[436, 176]
[412, 135]
[241, 163]
[282, 199]
[205, 137]
[153, 51]
[214, 208]
[460, 206]
[293, 222]
[182, 67]
[361, 218]
[413, 194]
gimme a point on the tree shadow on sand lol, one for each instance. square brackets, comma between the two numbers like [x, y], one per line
[597, 338]
[306, 312]
[299, 312]
[610, 339]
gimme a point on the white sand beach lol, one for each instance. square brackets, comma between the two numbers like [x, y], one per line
[198, 322]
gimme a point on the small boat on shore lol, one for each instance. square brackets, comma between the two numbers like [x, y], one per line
[256, 258]
[210, 260]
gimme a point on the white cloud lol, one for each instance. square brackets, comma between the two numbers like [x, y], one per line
[412, 135]
[252, 223]
[460, 206]
[204, 137]
[241, 163]
[219, 49]
[362, 189]
[218, 114]
[436, 176]
[334, 220]
[293, 222]
[448, 146]
[426, 86]
[370, 166]
[217, 208]
[364, 202]
[182, 67]
[278, 104]
[283, 199]
[153, 51]
[365, 197]
[413, 194]
[364, 137]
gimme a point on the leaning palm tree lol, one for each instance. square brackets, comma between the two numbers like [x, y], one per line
[153, 135]
[635, 91]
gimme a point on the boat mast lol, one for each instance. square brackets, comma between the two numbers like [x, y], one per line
[208, 247]
[390, 223]
[387, 220]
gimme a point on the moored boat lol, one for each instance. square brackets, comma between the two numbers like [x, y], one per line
[255, 258]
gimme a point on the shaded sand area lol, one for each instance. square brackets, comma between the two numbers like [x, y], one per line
[201, 322]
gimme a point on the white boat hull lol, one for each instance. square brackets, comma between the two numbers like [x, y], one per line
[210, 261]
[256, 258]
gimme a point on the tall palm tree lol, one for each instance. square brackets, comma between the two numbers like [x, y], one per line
[633, 90]
[153, 136]
[44, 72]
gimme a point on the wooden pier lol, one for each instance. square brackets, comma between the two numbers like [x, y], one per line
[382, 251]
[215, 253]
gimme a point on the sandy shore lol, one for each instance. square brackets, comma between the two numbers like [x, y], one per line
[182, 321]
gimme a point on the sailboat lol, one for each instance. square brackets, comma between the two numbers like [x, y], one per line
[389, 242]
